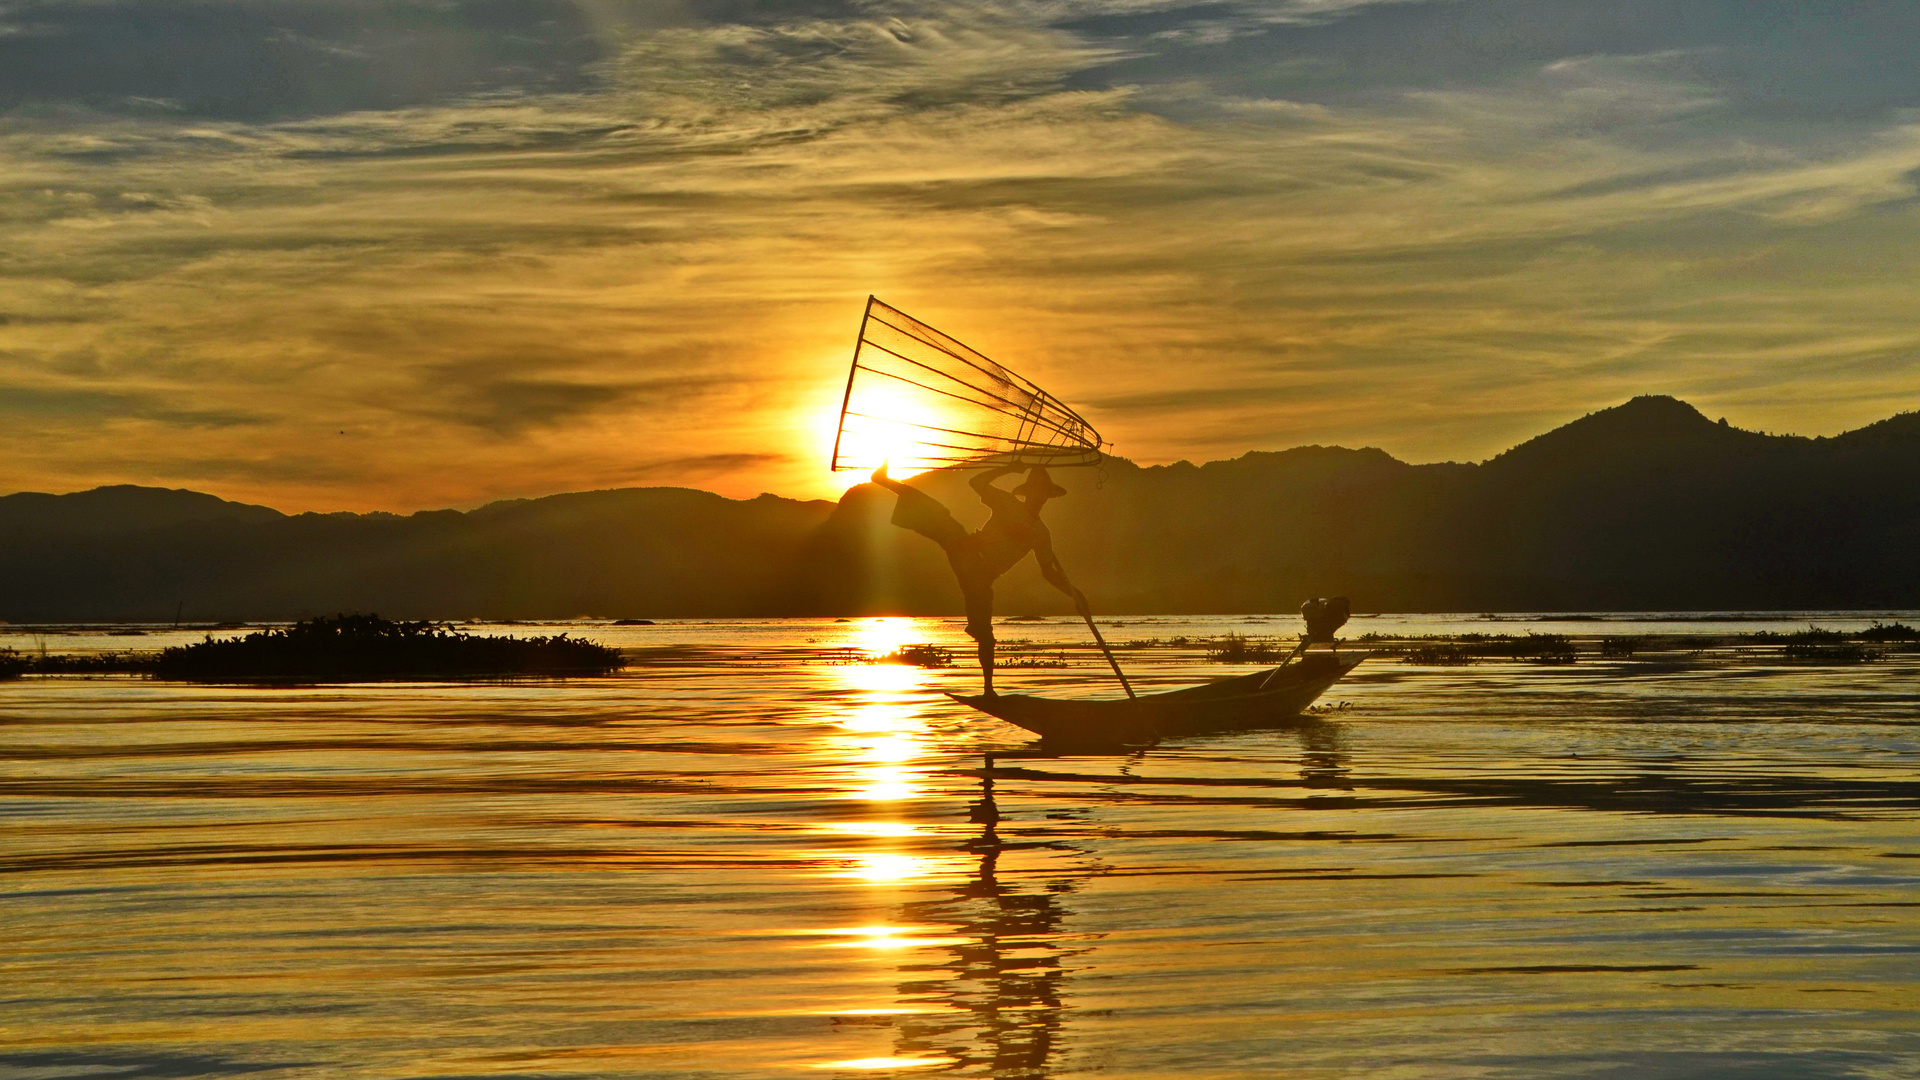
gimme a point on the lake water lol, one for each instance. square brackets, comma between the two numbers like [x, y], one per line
[747, 857]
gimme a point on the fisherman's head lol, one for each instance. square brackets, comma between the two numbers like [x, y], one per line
[1039, 487]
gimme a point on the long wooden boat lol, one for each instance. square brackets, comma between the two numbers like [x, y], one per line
[1273, 697]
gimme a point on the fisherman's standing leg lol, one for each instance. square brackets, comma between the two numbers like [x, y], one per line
[922, 513]
[980, 627]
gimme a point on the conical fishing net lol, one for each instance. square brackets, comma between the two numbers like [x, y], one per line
[918, 400]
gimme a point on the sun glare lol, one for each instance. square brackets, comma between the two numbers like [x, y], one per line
[897, 430]
[876, 638]
[880, 636]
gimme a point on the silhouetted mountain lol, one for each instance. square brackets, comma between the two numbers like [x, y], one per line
[122, 507]
[1649, 505]
[142, 553]
[1890, 433]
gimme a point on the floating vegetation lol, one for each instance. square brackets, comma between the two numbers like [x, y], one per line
[1621, 648]
[924, 656]
[1816, 646]
[1812, 635]
[1057, 660]
[1235, 649]
[1323, 708]
[107, 663]
[1155, 643]
[13, 664]
[1544, 648]
[1469, 648]
[367, 647]
[1851, 652]
[1441, 655]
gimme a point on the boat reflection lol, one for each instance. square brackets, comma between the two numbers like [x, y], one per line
[987, 1000]
[981, 950]
[1323, 763]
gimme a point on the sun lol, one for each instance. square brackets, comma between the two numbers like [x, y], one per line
[898, 429]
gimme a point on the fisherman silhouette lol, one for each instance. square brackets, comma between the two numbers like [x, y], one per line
[978, 558]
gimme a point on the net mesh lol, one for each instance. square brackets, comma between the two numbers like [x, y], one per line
[917, 400]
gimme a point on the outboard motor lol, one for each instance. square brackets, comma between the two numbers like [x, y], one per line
[1324, 616]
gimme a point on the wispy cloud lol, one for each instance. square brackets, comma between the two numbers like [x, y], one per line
[626, 243]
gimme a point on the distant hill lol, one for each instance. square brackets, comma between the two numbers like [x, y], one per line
[141, 554]
[1649, 505]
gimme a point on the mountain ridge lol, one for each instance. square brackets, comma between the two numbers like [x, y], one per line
[1648, 504]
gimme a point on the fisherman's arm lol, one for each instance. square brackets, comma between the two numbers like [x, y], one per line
[982, 483]
[1056, 574]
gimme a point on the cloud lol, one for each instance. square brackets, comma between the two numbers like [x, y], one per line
[706, 465]
[260, 61]
[487, 396]
[1769, 58]
[599, 243]
[28, 403]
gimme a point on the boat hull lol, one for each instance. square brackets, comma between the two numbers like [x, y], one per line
[1274, 697]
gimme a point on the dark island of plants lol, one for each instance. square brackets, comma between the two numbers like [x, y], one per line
[367, 647]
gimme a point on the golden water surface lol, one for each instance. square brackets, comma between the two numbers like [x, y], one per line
[747, 857]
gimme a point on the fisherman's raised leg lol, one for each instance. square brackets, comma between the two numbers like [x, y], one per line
[920, 512]
[880, 477]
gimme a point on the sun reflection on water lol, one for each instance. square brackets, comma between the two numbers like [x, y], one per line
[882, 635]
[892, 749]
[877, 753]
[876, 715]
[883, 733]
[881, 743]
[888, 938]
[883, 678]
[888, 785]
[887, 1063]
[888, 868]
[871, 828]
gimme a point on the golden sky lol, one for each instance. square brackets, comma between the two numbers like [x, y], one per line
[330, 254]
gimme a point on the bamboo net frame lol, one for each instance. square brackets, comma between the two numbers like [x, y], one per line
[919, 399]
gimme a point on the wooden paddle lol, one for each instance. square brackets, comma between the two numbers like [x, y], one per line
[1080, 603]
